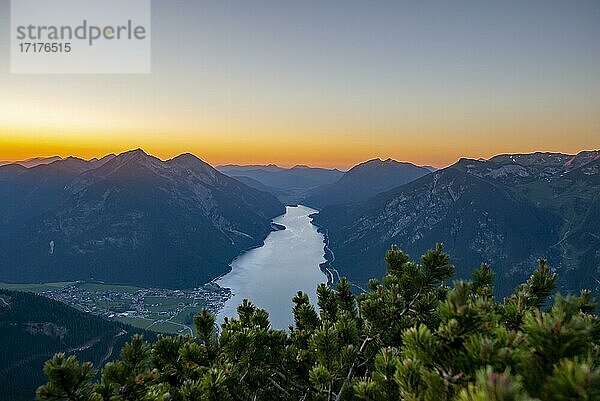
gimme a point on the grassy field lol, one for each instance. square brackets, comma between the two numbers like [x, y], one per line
[167, 328]
[186, 316]
[135, 321]
[109, 287]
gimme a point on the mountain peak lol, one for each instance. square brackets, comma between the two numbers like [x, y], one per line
[109, 165]
[465, 160]
[106, 157]
[187, 157]
[375, 163]
[192, 162]
[135, 155]
[134, 152]
[73, 158]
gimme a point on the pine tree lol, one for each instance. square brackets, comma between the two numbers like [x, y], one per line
[68, 380]
[413, 336]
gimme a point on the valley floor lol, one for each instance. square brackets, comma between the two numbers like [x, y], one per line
[160, 310]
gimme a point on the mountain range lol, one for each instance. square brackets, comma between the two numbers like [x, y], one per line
[319, 187]
[130, 218]
[507, 211]
[32, 162]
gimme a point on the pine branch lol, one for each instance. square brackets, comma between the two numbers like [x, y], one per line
[274, 383]
[351, 371]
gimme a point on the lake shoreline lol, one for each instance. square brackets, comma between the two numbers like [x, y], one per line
[327, 266]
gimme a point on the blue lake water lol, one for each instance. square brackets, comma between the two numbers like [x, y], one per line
[271, 275]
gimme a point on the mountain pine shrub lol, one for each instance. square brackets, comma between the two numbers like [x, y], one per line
[411, 337]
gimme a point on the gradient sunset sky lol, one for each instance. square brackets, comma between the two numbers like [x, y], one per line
[327, 83]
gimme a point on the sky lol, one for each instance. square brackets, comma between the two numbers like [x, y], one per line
[326, 83]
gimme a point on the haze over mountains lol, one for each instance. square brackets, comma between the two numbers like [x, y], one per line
[127, 219]
[508, 211]
[290, 185]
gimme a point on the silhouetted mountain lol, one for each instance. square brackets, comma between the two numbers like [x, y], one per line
[135, 219]
[365, 181]
[507, 211]
[29, 192]
[41, 161]
[34, 328]
[290, 185]
[35, 161]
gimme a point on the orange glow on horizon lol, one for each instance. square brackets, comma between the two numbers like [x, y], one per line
[243, 90]
[240, 156]
[341, 147]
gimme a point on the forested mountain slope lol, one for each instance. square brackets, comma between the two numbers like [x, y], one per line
[507, 211]
[134, 219]
[34, 328]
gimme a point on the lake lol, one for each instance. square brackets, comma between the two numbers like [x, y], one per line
[271, 275]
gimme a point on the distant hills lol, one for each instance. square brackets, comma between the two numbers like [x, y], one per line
[27, 192]
[507, 211]
[34, 328]
[290, 185]
[35, 161]
[130, 218]
[41, 161]
[365, 181]
[318, 187]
